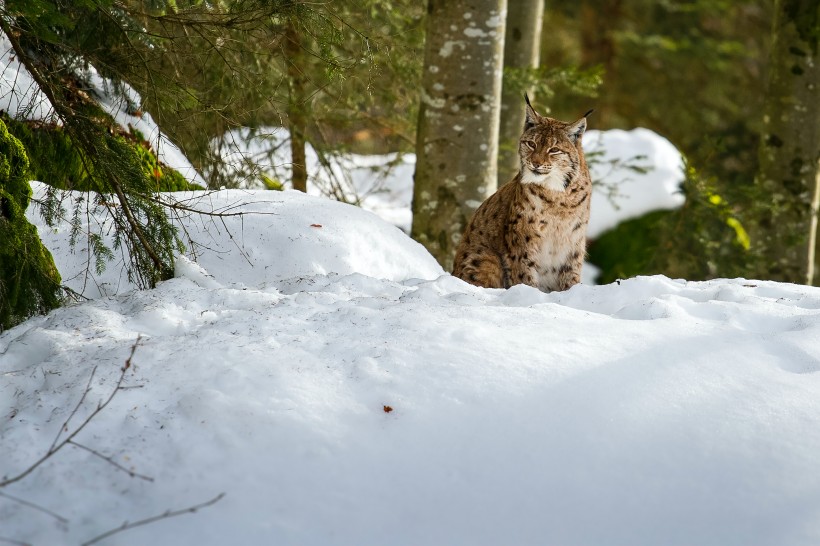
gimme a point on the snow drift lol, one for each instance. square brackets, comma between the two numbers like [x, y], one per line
[651, 411]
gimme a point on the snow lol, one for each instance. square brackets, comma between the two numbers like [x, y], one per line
[19, 94]
[260, 236]
[635, 172]
[123, 105]
[649, 411]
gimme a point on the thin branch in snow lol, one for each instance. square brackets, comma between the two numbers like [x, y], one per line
[165, 515]
[37, 507]
[64, 426]
[112, 462]
[58, 444]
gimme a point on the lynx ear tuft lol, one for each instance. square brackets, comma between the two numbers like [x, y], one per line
[531, 118]
[588, 113]
[577, 129]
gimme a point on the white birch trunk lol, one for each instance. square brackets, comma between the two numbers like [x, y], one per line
[457, 140]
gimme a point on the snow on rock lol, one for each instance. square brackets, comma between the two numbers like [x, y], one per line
[634, 172]
[124, 105]
[262, 237]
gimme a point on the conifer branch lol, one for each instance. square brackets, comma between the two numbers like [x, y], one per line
[67, 114]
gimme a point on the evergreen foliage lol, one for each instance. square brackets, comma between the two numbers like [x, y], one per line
[695, 73]
[29, 281]
[702, 240]
[62, 43]
[343, 77]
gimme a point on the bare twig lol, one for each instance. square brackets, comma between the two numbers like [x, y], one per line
[37, 507]
[165, 515]
[58, 444]
[112, 462]
[77, 407]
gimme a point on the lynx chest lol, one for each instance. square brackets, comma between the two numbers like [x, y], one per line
[547, 233]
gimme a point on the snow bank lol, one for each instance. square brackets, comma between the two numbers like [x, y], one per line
[635, 172]
[650, 412]
[261, 236]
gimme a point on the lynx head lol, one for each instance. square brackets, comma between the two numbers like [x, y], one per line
[550, 150]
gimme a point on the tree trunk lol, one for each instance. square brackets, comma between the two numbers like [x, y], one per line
[522, 48]
[457, 139]
[784, 235]
[297, 120]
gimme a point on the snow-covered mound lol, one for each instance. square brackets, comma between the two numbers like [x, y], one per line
[650, 412]
[259, 237]
[339, 389]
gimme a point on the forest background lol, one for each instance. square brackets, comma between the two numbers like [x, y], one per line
[733, 84]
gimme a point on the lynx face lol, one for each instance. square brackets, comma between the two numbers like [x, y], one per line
[548, 151]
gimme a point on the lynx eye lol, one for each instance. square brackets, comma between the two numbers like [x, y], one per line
[555, 151]
[529, 144]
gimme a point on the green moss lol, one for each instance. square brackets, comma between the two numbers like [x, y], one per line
[57, 162]
[29, 280]
[165, 178]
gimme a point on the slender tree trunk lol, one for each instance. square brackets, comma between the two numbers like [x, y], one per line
[522, 49]
[784, 236]
[297, 120]
[457, 139]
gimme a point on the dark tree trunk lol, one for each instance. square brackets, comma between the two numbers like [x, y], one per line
[297, 120]
[522, 48]
[784, 230]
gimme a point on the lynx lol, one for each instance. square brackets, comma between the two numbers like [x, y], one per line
[533, 229]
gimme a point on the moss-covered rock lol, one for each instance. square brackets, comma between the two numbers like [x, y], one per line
[55, 160]
[29, 280]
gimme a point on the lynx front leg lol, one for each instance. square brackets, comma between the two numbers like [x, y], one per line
[522, 270]
[520, 253]
[482, 267]
[569, 274]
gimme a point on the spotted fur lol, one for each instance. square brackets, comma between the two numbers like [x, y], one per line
[533, 229]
